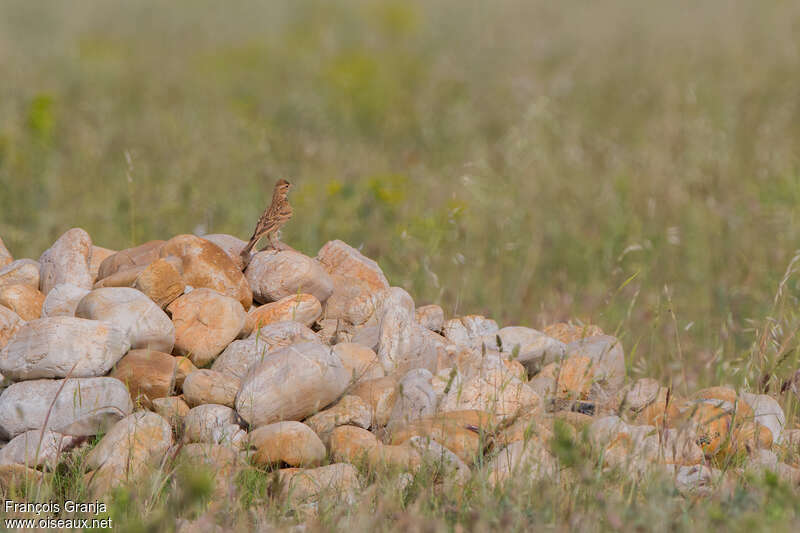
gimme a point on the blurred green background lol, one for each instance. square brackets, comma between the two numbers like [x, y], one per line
[632, 164]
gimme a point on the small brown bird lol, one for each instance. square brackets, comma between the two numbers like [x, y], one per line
[276, 215]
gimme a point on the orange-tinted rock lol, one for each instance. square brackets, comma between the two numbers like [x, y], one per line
[380, 394]
[568, 333]
[292, 443]
[183, 368]
[206, 265]
[458, 431]
[351, 444]
[20, 272]
[361, 363]
[10, 322]
[24, 300]
[206, 386]
[138, 256]
[712, 426]
[354, 276]
[205, 323]
[148, 374]
[162, 281]
[430, 317]
[303, 308]
[123, 278]
[99, 254]
[231, 245]
[575, 378]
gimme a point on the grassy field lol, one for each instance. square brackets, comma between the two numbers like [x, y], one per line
[630, 164]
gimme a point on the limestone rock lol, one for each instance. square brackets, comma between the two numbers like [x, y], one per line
[82, 406]
[24, 300]
[354, 277]
[458, 431]
[138, 256]
[130, 451]
[146, 325]
[767, 412]
[240, 356]
[36, 448]
[172, 408]
[54, 347]
[370, 307]
[184, 367]
[206, 265]
[215, 424]
[275, 275]
[292, 443]
[148, 374]
[99, 254]
[339, 480]
[608, 357]
[223, 461]
[63, 300]
[5, 255]
[10, 322]
[531, 459]
[380, 394]
[207, 386]
[430, 317]
[361, 362]
[205, 323]
[351, 444]
[20, 272]
[140, 439]
[303, 308]
[229, 244]
[494, 390]
[67, 261]
[469, 331]
[415, 397]
[291, 384]
[350, 410]
[533, 347]
[17, 479]
[162, 281]
[342, 259]
[123, 278]
[567, 332]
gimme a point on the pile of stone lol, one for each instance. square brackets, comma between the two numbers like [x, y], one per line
[178, 350]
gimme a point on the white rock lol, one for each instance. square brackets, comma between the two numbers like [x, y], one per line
[147, 326]
[608, 357]
[415, 398]
[275, 275]
[139, 439]
[36, 448]
[495, 390]
[767, 412]
[240, 356]
[62, 300]
[10, 322]
[215, 424]
[291, 384]
[430, 317]
[84, 406]
[469, 331]
[67, 261]
[20, 272]
[529, 458]
[52, 347]
[534, 347]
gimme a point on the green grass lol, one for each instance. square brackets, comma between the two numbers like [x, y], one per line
[635, 165]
